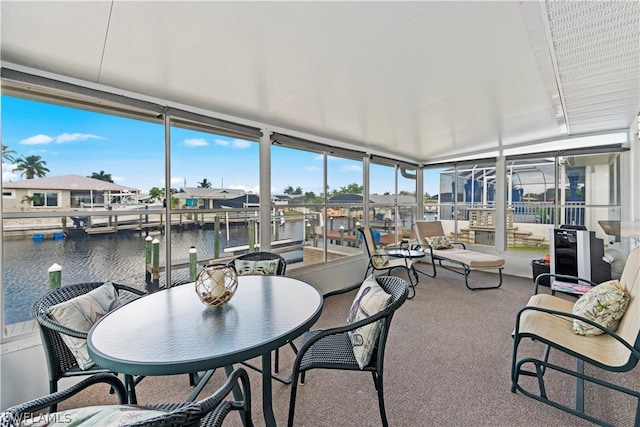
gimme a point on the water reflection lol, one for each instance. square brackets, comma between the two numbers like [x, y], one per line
[119, 258]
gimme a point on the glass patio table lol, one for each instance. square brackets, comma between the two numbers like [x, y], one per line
[172, 332]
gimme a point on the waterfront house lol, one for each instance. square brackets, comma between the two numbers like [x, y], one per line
[207, 198]
[396, 91]
[210, 198]
[63, 193]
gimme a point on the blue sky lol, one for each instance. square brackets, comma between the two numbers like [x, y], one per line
[79, 142]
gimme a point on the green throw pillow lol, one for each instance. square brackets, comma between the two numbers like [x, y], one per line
[263, 268]
[370, 299]
[439, 242]
[604, 304]
[80, 313]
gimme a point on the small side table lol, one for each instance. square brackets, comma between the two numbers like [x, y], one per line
[408, 254]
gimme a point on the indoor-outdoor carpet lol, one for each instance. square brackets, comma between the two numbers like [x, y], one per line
[447, 364]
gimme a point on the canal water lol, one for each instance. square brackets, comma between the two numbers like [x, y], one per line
[119, 258]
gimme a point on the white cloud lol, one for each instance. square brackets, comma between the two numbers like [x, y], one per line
[7, 173]
[311, 168]
[352, 168]
[222, 142]
[241, 143]
[36, 140]
[71, 137]
[118, 178]
[42, 139]
[195, 142]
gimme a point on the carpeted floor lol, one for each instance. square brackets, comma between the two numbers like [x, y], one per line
[447, 364]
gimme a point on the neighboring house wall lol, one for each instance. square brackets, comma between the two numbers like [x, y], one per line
[14, 202]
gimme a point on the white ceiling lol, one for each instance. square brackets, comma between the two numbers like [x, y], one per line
[422, 81]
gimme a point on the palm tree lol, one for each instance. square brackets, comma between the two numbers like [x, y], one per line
[156, 193]
[32, 166]
[31, 200]
[102, 176]
[8, 155]
[204, 184]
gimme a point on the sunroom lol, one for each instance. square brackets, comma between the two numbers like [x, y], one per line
[503, 120]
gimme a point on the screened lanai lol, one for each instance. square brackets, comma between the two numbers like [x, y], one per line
[524, 111]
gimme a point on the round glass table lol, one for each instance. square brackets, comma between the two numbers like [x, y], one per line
[173, 332]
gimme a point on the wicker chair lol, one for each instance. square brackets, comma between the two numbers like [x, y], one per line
[266, 256]
[282, 269]
[332, 348]
[210, 411]
[60, 360]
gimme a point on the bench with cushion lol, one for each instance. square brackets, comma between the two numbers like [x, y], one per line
[432, 240]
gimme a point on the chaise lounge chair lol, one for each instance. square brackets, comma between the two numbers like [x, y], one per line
[431, 238]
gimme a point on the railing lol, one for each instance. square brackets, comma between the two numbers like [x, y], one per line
[523, 212]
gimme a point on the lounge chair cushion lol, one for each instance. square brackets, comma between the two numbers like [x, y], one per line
[475, 260]
[439, 242]
[369, 300]
[80, 313]
[605, 304]
[263, 268]
[107, 415]
[380, 258]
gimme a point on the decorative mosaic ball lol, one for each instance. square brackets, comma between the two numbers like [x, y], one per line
[216, 284]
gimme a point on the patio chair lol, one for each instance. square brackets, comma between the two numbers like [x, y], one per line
[264, 263]
[551, 321]
[379, 260]
[61, 361]
[333, 348]
[454, 256]
[258, 257]
[210, 411]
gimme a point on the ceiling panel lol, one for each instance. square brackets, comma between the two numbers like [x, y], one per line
[422, 81]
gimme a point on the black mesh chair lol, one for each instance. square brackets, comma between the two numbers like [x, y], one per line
[332, 348]
[266, 256]
[210, 411]
[281, 270]
[60, 360]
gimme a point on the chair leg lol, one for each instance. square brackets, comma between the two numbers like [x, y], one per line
[377, 380]
[130, 385]
[466, 273]
[292, 400]
[276, 362]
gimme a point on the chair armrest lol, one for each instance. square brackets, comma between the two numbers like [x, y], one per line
[561, 276]
[126, 294]
[425, 247]
[60, 396]
[459, 244]
[321, 333]
[606, 331]
[238, 376]
[214, 408]
[50, 323]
